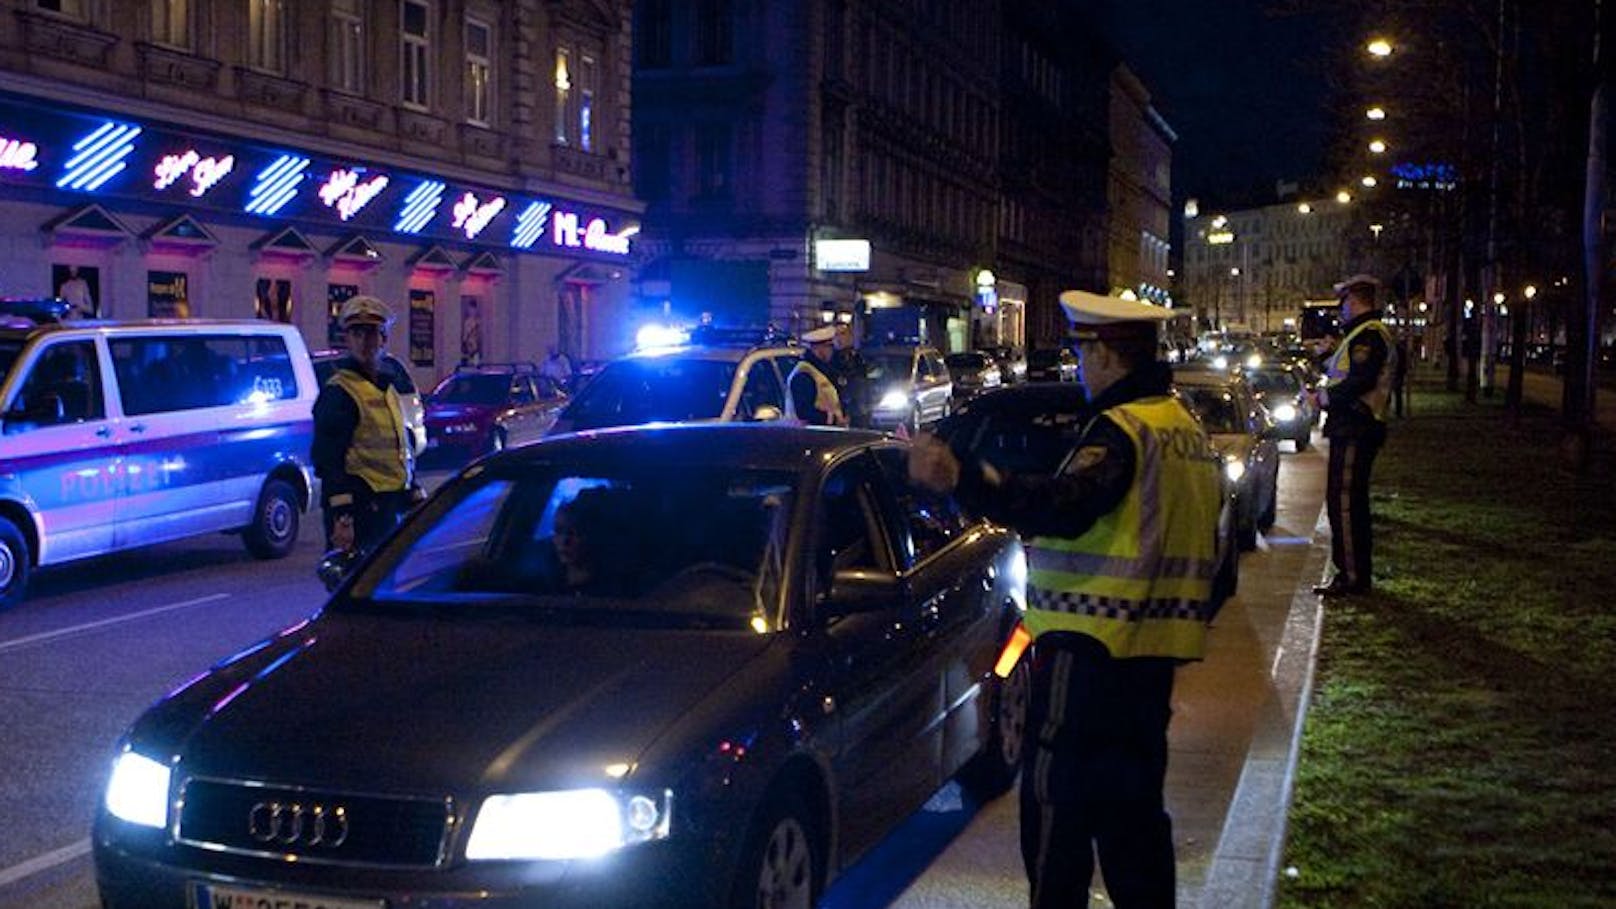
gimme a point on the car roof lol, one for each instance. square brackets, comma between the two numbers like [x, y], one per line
[1206, 377]
[1029, 398]
[177, 326]
[737, 445]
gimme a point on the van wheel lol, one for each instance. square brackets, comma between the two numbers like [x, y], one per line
[273, 531]
[15, 565]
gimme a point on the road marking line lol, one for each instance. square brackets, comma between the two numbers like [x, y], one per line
[16, 643]
[44, 862]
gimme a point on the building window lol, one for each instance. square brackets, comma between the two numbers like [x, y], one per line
[266, 30]
[416, 49]
[713, 33]
[171, 22]
[347, 55]
[653, 34]
[77, 9]
[586, 102]
[563, 93]
[479, 72]
[713, 161]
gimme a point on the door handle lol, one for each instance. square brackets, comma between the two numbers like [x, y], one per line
[104, 432]
[137, 428]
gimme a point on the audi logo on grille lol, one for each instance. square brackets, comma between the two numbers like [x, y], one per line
[297, 824]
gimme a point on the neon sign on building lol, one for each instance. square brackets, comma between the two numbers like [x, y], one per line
[419, 206]
[99, 156]
[277, 185]
[344, 191]
[595, 236]
[205, 172]
[471, 216]
[530, 224]
[16, 154]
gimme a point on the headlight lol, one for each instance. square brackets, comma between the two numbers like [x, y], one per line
[138, 790]
[1253, 361]
[1234, 469]
[577, 823]
[1220, 362]
[1285, 413]
[896, 399]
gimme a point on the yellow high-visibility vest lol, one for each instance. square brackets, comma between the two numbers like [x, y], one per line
[1139, 580]
[1379, 397]
[378, 454]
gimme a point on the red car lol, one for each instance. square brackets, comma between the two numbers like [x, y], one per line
[482, 409]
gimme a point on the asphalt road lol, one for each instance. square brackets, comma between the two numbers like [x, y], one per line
[97, 641]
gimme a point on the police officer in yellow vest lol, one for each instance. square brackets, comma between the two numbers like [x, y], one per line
[1121, 545]
[360, 451]
[814, 396]
[1355, 395]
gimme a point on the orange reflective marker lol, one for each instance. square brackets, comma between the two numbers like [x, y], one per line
[1020, 639]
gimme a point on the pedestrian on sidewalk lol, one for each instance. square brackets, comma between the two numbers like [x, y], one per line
[1355, 396]
[1121, 553]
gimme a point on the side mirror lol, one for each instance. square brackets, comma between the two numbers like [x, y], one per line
[858, 591]
[766, 413]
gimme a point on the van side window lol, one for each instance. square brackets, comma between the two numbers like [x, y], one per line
[63, 387]
[161, 373]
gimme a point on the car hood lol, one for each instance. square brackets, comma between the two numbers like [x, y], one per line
[446, 706]
[1233, 444]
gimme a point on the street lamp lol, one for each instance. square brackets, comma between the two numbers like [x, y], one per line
[1378, 147]
[1304, 208]
[1343, 197]
[1376, 113]
[1369, 181]
[1379, 47]
[1530, 291]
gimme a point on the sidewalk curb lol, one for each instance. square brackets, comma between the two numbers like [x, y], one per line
[1244, 871]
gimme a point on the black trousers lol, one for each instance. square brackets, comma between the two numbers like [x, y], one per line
[1094, 774]
[1352, 536]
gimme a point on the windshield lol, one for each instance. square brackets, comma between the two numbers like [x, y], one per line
[966, 361]
[488, 390]
[891, 367]
[693, 547]
[1281, 382]
[1215, 407]
[652, 390]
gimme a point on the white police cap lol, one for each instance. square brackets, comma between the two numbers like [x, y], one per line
[1095, 317]
[1359, 280]
[824, 334]
[364, 309]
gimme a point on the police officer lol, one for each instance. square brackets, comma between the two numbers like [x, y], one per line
[813, 393]
[851, 373]
[1121, 546]
[360, 451]
[1355, 395]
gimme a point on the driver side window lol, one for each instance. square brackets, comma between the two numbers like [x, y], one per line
[66, 374]
[849, 533]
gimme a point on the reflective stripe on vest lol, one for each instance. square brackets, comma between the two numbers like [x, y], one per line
[377, 454]
[1139, 580]
[1379, 397]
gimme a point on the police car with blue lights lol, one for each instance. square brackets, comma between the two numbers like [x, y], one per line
[115, 435]
[703, 375]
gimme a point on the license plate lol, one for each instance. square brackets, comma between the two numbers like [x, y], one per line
[214, 896]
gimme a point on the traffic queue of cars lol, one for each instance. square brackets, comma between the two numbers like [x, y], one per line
[661, 664]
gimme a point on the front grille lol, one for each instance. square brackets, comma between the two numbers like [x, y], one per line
[382, 831]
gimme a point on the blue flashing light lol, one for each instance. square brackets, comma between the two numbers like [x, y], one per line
[420, 206]
[530, 224]
[99, 156]
[657, 336]
[276, 185]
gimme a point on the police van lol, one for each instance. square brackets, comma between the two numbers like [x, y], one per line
[115, 435]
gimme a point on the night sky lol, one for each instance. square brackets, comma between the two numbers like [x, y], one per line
[1246, 91]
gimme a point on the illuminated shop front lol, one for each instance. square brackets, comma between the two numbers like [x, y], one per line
[143, 219]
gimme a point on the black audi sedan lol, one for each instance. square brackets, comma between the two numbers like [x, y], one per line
[701, 666]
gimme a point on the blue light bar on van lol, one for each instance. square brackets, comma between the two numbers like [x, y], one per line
[277, 185]
[530, 224]
[419, 206]
[99, 156]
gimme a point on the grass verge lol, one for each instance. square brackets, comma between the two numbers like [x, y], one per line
[1460, 747]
